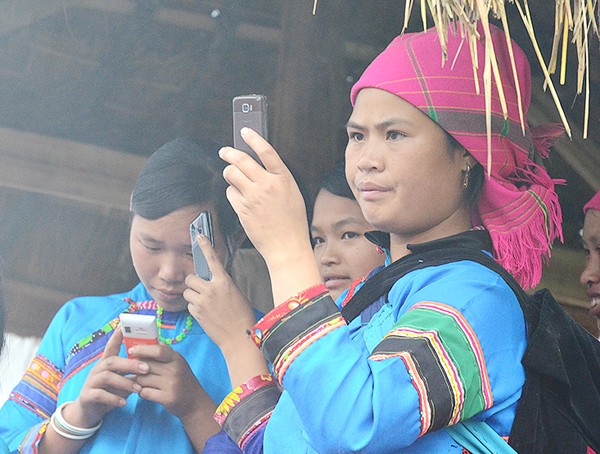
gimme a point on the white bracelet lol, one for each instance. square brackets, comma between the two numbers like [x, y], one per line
[65, 434]
[67, 430]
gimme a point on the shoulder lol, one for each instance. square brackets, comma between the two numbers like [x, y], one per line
[475, 291]
[100, 303]
[455, 281]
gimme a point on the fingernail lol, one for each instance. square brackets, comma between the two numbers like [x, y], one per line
[136, 388]
[222, 151]
[143, 367]
[244, 130]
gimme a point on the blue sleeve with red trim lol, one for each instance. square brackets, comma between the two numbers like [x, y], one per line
[446, 347]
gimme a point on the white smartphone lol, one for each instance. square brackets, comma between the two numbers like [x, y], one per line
[138, 329]
[201, 225]
[249, 111]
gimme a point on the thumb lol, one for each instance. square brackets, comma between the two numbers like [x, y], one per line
[113, 346]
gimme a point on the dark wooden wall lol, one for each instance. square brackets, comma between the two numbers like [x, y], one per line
[89, 89]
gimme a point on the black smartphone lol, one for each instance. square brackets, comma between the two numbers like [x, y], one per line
[249, 111]
[201, 225]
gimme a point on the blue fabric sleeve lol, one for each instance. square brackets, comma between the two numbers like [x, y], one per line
[337, 388]
[221, 443]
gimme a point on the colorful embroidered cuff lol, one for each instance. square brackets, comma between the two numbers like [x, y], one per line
[248, 408]
[290, 328]
[33, 438]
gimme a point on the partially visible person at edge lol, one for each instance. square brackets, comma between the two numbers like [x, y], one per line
[3, 446]
[81, 393]
[337, 229]
[590, 277]
[445, 344]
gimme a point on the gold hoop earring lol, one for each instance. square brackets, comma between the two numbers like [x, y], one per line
[466, 178]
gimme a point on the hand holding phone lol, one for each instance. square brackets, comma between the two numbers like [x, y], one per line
[138, 329]
[249, 111]
[202, 225]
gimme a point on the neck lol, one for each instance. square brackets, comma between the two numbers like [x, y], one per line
[459, 223]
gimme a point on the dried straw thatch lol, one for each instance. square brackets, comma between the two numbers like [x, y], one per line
[575, 20]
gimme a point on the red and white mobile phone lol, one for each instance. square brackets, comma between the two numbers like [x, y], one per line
[138, 329]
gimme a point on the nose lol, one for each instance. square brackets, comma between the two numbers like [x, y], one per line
[171, 270]
[370, 157]
[591, 273]
[327, 254]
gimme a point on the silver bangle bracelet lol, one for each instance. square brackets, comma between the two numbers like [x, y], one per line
[67, 430]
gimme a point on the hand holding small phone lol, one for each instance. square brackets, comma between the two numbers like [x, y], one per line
[138, 329]
[249, 111]
[202, 225]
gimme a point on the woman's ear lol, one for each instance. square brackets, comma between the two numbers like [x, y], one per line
[468, 160]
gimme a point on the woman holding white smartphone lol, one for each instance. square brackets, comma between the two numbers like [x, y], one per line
[82, 393]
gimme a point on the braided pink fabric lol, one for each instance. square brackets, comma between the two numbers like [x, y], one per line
[518, 204]
[593, 204]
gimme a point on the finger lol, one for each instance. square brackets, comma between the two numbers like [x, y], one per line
[265, 151]
[213, 261]
[123, 366]
[161, 353]
[114, 383]
[237, 178]
[113, 346]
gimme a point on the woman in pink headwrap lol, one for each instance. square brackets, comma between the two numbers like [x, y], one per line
[443, 344]
[590, 277]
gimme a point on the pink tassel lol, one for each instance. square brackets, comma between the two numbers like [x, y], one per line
[523, 249]
[545, 136]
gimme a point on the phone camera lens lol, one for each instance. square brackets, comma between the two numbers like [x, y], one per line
[245, 107]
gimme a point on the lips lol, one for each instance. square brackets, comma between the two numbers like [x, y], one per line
[595, 305]
[333, 281]
[371, 191]
[168, 295]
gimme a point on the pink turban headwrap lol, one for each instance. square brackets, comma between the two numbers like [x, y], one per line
[517, 204]
[593, 204]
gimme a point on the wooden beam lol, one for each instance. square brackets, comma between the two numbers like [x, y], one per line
[204, 22]
[67, 169]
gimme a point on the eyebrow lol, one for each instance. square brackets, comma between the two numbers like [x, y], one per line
[383, 125]
[148, 238]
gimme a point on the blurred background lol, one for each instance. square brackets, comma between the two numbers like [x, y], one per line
[90, 88]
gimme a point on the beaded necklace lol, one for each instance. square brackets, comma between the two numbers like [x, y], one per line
[180, 336]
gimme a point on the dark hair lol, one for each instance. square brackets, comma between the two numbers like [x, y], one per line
[335, 183]
[182, 173]
[476, 174]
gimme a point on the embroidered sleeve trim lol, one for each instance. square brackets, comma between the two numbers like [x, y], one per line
[308, 317]
[38, 389]
[445, 361]
[282, 311]
[33, 438]
[248, 408]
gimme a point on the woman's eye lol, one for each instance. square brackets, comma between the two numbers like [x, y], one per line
[150, 248]
[394, 135]
[356, 136]
[317, 240]
[349, 235]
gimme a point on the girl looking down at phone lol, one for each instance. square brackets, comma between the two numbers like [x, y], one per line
[442, 344]
[338, 230]
[82, 393]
